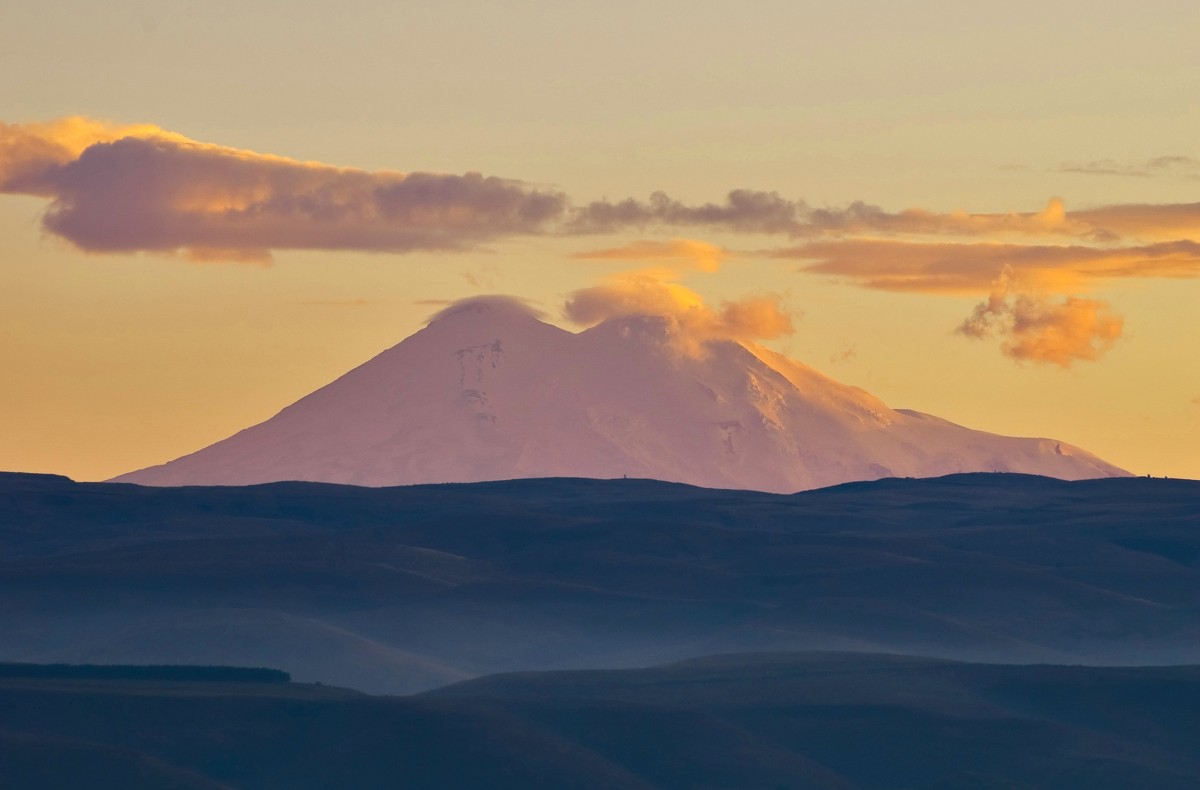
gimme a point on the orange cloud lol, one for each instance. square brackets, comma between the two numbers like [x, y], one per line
[687, 318]
[702, 255]
[31, 153]
[127, 189]
[949, 268]
[1147, 221]
[1035, 329]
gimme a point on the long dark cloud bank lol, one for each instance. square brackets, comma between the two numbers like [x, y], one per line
[744, 211]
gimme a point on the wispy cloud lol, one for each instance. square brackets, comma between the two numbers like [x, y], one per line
[338, 302]
[475, 303]
[699, 254]
[750, 211]
[1159, 166]
[843, 356]
[747, 211]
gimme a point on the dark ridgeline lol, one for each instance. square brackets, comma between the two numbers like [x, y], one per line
[796, 720]
[178, 673]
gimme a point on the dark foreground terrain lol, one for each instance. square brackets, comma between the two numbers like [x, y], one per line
[405, 589]
[800, 720]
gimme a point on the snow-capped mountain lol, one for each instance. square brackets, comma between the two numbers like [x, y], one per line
[488, 391]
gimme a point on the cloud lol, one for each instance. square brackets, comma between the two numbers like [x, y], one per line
[128, 189]
[966, 268]
[702, 255]
[744, 211]
[481, 277]
[338, 302]
[1184, 166]
[750, 211]
[1147, 221]
[652, 291]
[843, 356]
[1036, 329]
[254, 255]
[1101, 225]
[30, 154]
[478, 304]
[688, 320]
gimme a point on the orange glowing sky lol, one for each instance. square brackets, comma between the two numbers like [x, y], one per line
[989, 214]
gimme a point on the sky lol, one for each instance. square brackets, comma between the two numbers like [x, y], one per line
[985, 212]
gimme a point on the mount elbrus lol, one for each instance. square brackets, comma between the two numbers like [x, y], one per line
[487, 391]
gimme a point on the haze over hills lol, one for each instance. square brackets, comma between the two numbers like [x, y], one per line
[487, 391]
[403, 589]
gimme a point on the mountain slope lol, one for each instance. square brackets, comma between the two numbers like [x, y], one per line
[487, 391]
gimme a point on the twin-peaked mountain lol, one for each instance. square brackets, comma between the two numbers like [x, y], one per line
[487, 391]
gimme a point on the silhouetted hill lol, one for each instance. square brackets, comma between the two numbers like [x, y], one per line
[799, 720]
[405, 589]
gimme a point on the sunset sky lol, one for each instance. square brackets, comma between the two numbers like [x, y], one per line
[988, 213]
